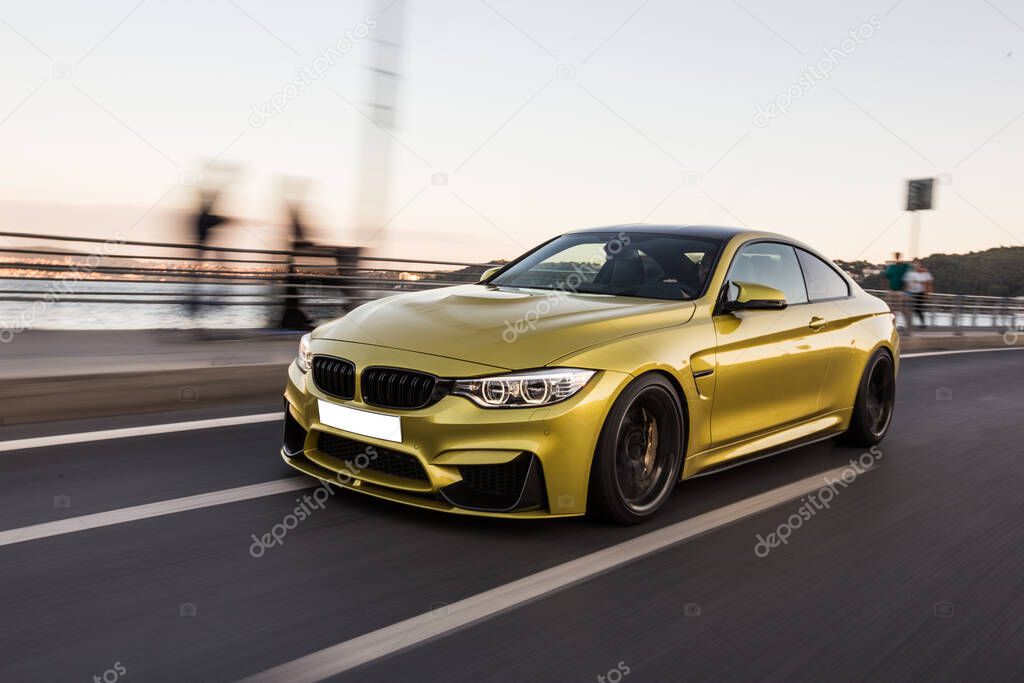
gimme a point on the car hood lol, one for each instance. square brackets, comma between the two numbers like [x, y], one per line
[504, 328]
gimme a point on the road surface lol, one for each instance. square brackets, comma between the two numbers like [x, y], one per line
[135, 554]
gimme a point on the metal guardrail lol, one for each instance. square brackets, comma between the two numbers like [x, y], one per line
[179, 273]
[956, 312]
[335, 278]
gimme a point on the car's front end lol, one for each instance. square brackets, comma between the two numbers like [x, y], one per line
[407, 426]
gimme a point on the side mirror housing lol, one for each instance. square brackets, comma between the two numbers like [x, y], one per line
[755, 297]
[489, 273]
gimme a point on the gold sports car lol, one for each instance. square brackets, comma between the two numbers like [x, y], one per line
[593, 373]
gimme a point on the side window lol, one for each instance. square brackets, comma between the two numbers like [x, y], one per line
[823, 282]
[771, 264]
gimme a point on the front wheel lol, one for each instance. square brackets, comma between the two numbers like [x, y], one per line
[639, 453]
[876, 398]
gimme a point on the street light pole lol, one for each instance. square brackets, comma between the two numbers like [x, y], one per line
[373, 194]
[915, 234]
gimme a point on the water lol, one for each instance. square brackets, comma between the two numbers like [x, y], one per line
[246, 310]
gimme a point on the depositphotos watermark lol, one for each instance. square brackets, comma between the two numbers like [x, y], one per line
[307, 74]
[309, 502]
[111, 675]
[616, 673]
[817, 501]
[582, 272]
[58, 289]
[815, 73]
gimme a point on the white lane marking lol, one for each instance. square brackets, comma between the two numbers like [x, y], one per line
[164, 507]
[349, 654]
[922, 354]
[126, 432]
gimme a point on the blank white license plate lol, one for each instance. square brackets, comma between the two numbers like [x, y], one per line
[363, 422]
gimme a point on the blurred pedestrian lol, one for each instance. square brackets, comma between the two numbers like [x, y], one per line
[918, 283]
[347, 260]
[293, 318]
[203, 222]
[895, 270]
[206, 219]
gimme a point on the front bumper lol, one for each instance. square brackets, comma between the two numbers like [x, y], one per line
[458, 445]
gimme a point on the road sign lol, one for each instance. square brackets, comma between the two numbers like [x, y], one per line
[919, 194]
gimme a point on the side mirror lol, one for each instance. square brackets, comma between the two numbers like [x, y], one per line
[754, 297]
[489, 273]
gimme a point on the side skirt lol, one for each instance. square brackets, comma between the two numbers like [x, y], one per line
[766, 446]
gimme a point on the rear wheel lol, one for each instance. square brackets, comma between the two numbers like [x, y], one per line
[876, 398]
[639, 453]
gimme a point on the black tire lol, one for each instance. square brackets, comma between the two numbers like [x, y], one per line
[876, 399]
[639, 454]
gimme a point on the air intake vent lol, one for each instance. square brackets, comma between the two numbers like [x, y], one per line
[335, 376]
[515, 485]
[394, 388]
[497, 480]
[360, 456]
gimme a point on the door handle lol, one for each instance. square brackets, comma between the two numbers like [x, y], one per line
[817, 323]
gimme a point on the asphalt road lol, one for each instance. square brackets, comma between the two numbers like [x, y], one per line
[915, 571]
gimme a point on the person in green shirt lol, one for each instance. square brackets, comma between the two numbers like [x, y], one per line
[894, 273]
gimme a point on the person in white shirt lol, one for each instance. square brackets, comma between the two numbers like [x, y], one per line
[917, 283]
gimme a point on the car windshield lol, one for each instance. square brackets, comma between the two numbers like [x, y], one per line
[653, 266]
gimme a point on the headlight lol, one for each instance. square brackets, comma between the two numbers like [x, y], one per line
[522, 389]
[305, 357]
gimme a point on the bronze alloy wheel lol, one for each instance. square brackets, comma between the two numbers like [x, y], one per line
[640, 452]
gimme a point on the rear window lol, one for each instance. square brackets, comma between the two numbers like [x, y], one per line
[823, 282]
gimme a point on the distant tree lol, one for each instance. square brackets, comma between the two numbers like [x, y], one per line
[993, 272]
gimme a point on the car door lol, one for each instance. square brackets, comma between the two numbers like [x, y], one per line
[770, 364]
[829, 292]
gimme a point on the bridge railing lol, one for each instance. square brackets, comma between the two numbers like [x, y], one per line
[328, 279]
[956, 312]
[138, 272]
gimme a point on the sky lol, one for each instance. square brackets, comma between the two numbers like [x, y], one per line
[519, 120]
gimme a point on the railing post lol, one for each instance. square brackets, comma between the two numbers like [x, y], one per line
[957, 314]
